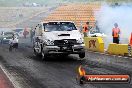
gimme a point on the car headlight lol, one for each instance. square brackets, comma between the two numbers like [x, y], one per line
[80, 41]
[49, 42]
[4, 38]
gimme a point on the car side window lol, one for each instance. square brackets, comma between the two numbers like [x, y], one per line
[40, 30]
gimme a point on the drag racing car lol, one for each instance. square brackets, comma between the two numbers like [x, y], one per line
[5, 37]
[19, 32]
[95, 32]
[58, 38]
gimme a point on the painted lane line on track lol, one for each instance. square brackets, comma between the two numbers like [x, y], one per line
[114, 55]
[130, 58]
[119, 56]
[90, 51]
[110, 55]
[10, 77]
[125, 57]
[107, 54]
[102, 53]
[96, 52]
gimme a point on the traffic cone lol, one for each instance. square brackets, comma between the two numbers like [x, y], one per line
[131, 39]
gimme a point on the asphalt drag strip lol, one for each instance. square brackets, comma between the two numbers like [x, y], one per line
[60, 72]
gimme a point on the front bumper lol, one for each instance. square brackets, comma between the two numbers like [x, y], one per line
[75, 49]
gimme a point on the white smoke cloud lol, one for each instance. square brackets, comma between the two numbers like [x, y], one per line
[109, 15]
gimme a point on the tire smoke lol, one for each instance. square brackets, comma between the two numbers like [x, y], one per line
[108, 15]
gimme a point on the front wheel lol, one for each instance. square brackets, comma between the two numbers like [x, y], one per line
[82, 54]
[35, 53]
[37, 49]
[43, 55]
[10, 48]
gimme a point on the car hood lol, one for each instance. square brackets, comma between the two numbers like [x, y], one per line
[58, 35]
[7, 37]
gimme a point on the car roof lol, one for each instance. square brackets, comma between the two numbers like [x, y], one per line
[57, 21]
[18, 30]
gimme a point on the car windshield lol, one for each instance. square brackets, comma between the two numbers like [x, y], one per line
[94, 30]
[18, 30]
[59, 26]
[8, 33]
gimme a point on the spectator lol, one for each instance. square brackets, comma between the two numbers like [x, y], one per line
[116, 33]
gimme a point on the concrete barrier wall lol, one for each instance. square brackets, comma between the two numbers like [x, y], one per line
[97, 44]
[94, 44]
[118, 49]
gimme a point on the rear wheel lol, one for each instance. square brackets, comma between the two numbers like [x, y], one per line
[35, 53]
[82, 54]
[10, 48]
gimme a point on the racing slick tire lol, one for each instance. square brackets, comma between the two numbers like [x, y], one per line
[10, 48]
[38, 51]
[43, 55]
[35, 53]
[82, 54]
